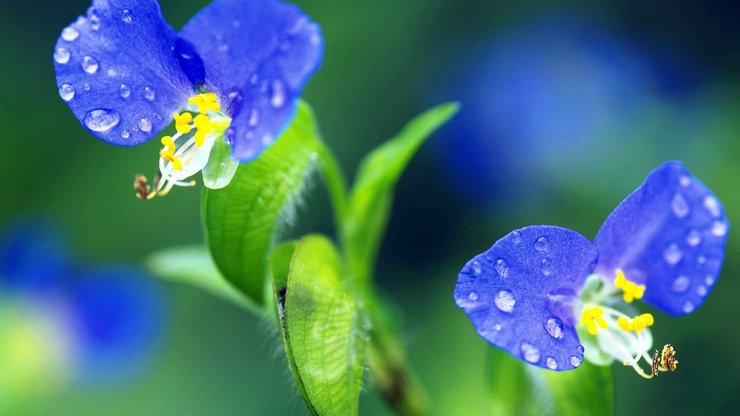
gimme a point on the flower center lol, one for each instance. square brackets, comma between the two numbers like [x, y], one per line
[618, 335]
[186, 152]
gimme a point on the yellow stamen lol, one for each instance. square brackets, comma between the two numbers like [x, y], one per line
[631, 290]
[637, 324]
[206, 102]
[204, 126]
[591, 317]
[182, 122]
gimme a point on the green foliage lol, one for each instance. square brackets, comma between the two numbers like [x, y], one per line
[371, 197]
[322, 324]
[517, 388]
[240, 220]
[193, 265]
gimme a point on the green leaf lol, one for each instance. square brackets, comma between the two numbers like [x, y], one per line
[322, 324]
[241, 219]
[372, 195]
[193, 265]
[518, 388]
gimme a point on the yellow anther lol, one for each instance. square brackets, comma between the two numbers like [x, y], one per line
[591, 317]
[637, 324]
[205, 102]
[204, 125]
[182, 122]
[631, 290]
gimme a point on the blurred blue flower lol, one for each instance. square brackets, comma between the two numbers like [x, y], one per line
[112, 317]
[234, 71]
[543, 94]
[664, 244]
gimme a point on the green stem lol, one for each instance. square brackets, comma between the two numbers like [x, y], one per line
[336, 186]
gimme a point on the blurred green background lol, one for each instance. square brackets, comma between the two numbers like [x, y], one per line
[566, 107]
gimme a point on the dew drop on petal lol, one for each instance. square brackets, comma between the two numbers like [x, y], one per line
[223, 48]
[679, 206]
[497, 327]
[712, 206]
[680, 284]
[719, 228]
[685, 181]
[546, 267]
[124, 91]
[101, 120]
[709, 280]
[61, 55]
[701, 290]
[70, 34]
[688, 307]
[517, 237]
[672, 254]
[551, 363]
[693, 238]
[575, 361]
[278, 94]
[125, 134]
[554, 327]
[502, 268]
[126, 16]
[89, 64]
[254, 117]
[229, 136]
[86, 87]
[266, 139]
[701, 259]
[542, 244]
[473, 296]
[67, 92]
[530, 353]
[112, 72]
[477, 270]
[253, 79]
[504, 301]
[149, 93]
[145, 125]
[580, 349]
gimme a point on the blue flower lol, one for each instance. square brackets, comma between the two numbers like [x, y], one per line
[111, 317]
[234, 71]
[549, 296]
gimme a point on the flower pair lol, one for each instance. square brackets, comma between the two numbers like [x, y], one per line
[233, 73]
[551, 297]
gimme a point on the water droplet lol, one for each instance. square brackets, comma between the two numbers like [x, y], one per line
[497, 327]
[125, 134]
[124, 91]
[551, 363]
[701, 259]
[254, 117]
[679, 206]
[719, 228]
[680, 284]
[149, 93]
[477, 270]
[712, 206]
[504, 301]
[473, 296]
[685, 181]
[542, 244]
[229, 136]
[709, 280]
[580, 349]
[693, 238]
[688, 307]
[502, 268]
[223, 48]
[126, 16]
[254, 79]
[112, 72]
[546, 267]
[575, 361]
[67, 92]
[89, 64]
[672, 254]
[554, 327]
[517, 237]
[266, 139]
[701, 290]
[70, 34]
[145, 125]
[61, 55]
[529, 352]
[101, 120]
[94, 21]
[278, 94]
[86, 87]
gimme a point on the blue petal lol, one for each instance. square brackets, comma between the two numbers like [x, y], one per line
[119, 318]
[32, 257]
[117, 71]
[521, 295]
[258, 55]
[669, 235]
